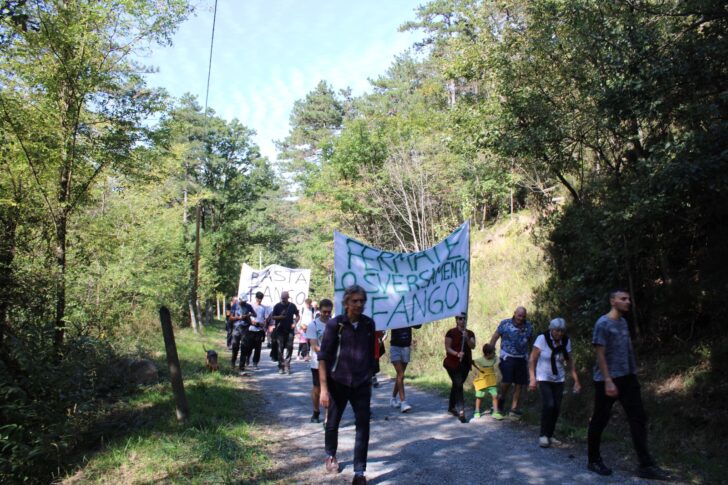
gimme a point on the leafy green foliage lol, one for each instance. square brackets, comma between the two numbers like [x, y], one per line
[314, 120]
[93, 205]
[219, 167]
[618, 107]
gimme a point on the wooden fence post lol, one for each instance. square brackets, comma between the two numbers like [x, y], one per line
[175, 371]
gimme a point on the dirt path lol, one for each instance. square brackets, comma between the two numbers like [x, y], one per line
[425, 446]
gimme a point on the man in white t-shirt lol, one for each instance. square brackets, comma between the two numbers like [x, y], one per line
[314, 334]
[260, 321]
[308, 312]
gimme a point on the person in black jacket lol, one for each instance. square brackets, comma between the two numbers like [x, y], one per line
[285, 315]
[346, 364]
[240, 315]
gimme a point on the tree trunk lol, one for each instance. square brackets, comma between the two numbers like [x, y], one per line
[8, 226]
[200, 320]
[193, 316]
[630, 280]
[69, 124]
[208, 311]
[196, 267]
[60, 326]
[61, 235]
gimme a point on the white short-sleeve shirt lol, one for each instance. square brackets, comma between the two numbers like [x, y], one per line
[315, 330]
[543, 365]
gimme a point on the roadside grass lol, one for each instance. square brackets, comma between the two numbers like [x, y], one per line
[683, 395]
[140, 440]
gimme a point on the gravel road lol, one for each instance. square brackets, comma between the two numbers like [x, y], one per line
[424, 446]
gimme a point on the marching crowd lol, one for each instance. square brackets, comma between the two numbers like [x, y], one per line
[344, 353]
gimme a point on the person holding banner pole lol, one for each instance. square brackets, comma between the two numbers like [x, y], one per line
[286, 316]
[346, 364]
[459, 342]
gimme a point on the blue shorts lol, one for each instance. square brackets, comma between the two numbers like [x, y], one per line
[514, 370]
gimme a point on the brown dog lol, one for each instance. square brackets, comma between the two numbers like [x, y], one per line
[211, 360]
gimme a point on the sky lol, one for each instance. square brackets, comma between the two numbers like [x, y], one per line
[268, 54]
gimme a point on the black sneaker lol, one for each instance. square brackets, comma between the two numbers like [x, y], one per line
[462, 418]
[652, 472]
[599, 467]
[315, 419]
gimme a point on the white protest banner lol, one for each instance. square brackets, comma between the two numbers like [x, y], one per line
[272, 281]
[405, 289]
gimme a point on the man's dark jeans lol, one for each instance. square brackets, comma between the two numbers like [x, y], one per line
[631, 400]
[242, 342]
[551, 394]
[285, 342]
[360, 398]
[257, 342]
[458, 377]
[229, 329]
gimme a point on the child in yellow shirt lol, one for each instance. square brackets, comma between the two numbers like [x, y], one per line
[486, 381]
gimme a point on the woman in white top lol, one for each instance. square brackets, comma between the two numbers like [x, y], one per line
[547, 366]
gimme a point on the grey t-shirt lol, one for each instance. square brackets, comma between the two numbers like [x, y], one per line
[618, 351]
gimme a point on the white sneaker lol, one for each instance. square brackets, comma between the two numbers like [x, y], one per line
[554, 442]
[543, 441]
[394, 402]
[404, 407]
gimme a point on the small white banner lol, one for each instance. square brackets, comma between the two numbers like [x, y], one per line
[405, 289]
[272, 281]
